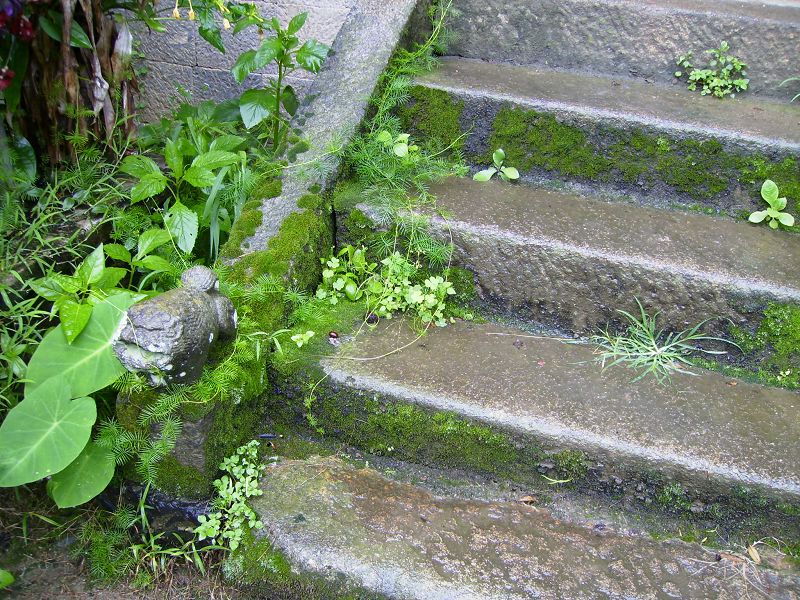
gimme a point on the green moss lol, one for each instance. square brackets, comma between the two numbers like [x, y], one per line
[183, 481]
[435, 116]
[463, 282]
[778, 333]
[571, 464]
[673, 498]
[249, 220]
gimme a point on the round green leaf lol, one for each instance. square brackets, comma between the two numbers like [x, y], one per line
[44, 433]
[757, 216]
[183, 225]
[769, 191]
[786, 219]
[89, 363]
[6, 579]
[498, 156]
[84, 478]
[510, 173]
[255, 106]
[484, 175]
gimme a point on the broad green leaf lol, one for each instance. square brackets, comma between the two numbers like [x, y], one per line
[510, 173]
[44, 433]
[400, 150]
[118, 252]
[47, 287]
[255, 106]
[149, 185]
[53, 23]
[245, 64]
[769, 191]
[484, 175]
[183, 224]
[150, 240]
[74, 317]
[757, 216]
[311, 55]
[213, 36]
[268, 51]
[780, 204]
[174, 158]
[6, 579]
[91, 269]
[199, 177]
[227, 142]
[786, 219]
[155, 263]
[289, 100]
[84, 478]
[24, 159]
[214, 159]
[111, 277]
[69, 284]
[138, 165]
[89, 364]
[297, 22]
[498, 156]
[384, 137]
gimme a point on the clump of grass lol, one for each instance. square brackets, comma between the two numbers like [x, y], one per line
[652, 351]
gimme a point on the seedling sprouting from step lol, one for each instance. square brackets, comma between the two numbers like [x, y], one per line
[724, 75]
[773, 215]
[506, 173]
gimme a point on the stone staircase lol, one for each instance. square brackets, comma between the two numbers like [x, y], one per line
[632, 188]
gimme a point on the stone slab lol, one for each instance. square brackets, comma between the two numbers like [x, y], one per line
[572, 261]
[698, 429]
[743, 124]
[639, 38]
[398, 541]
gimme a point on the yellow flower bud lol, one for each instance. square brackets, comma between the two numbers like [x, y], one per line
[176, 14]
[191, 14]
[226, 24]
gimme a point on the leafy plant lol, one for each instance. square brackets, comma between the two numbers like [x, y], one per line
[791, 80]
[225, 526]
[506, 173]
[277, 103]
[773, 215]
[6, 579]
[651, 351]
[725, 74]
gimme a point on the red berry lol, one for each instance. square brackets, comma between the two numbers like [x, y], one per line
[23, 28]
[6, 77]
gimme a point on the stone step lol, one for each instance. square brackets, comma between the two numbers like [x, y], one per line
[699, 431]
[632, 37]
[572, 262]
[663, 143]
[364, 532]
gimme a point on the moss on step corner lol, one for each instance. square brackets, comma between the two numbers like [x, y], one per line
[435, 117]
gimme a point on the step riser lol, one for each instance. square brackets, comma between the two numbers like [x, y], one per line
[580, 290]
[656, 163]
[640, 39]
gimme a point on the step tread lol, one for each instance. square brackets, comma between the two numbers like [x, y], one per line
[398, 540]
[769, 125]
[713, 249]
[741, 434]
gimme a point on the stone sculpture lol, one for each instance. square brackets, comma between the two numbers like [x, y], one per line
[169, 336]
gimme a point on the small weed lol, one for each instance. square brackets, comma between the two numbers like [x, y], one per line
[648, 350]
[723, 76]
[506, 173]
[773, 215]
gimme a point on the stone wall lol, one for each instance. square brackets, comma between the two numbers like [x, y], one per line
[180, 58]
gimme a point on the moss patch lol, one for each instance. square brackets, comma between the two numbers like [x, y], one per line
[436, 118]
[249, 220]
[183, 481]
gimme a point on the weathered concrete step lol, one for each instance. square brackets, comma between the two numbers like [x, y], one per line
[639, 138]
[699, 431]
[631, 37]
[360, 529]
[572, 261]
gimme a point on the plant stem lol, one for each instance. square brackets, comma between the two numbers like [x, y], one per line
[277, 119]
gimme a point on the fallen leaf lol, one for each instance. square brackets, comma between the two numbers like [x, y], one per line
[528, 500]
[751, 550]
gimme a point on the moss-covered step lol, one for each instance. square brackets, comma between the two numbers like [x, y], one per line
[699, 432]
[661, 144]
[356, 528]
[573, 262]
[632, 37]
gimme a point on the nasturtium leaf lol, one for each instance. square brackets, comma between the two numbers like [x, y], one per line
[89, 363]
[150, 240]
[297, 22]
[255, 106]
[769, 191]
[311, 55]
[74, 318]
[183, 224]
[484, 175]
[84, 478]
[44, 433]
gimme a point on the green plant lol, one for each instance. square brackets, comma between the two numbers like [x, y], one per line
[791, 80]
[651, 351]
[724, 75]
[278, 102]
[773, 215]
[225, 526]
[6, 579]
[506, 173]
